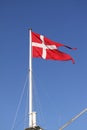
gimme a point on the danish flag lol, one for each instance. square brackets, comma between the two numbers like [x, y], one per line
[45, 48]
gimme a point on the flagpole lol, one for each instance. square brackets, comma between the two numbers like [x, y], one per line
[30, 79]
[32, 115]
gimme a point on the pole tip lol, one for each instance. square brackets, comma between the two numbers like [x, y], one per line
[30, 28]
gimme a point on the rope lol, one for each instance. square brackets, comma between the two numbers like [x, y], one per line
[37, 101]
[26, 111]
[19, 105]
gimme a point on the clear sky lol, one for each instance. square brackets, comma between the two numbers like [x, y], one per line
[60, 87]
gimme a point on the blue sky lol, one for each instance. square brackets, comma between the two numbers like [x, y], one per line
[60, 87]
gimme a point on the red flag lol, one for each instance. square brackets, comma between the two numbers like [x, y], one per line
[48, 49]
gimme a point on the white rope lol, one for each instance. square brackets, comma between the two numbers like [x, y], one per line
[26, 111]
[37, 101]
[19, 105]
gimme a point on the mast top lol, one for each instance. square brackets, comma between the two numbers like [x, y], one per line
[30, 29]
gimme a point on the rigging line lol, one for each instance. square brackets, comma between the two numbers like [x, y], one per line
[19, 122]
[26, 111]
[19, 104]
[37, 100]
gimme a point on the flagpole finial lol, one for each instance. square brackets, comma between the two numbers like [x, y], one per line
[30, 29]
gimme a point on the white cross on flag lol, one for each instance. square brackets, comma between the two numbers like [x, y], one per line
[47, 49]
